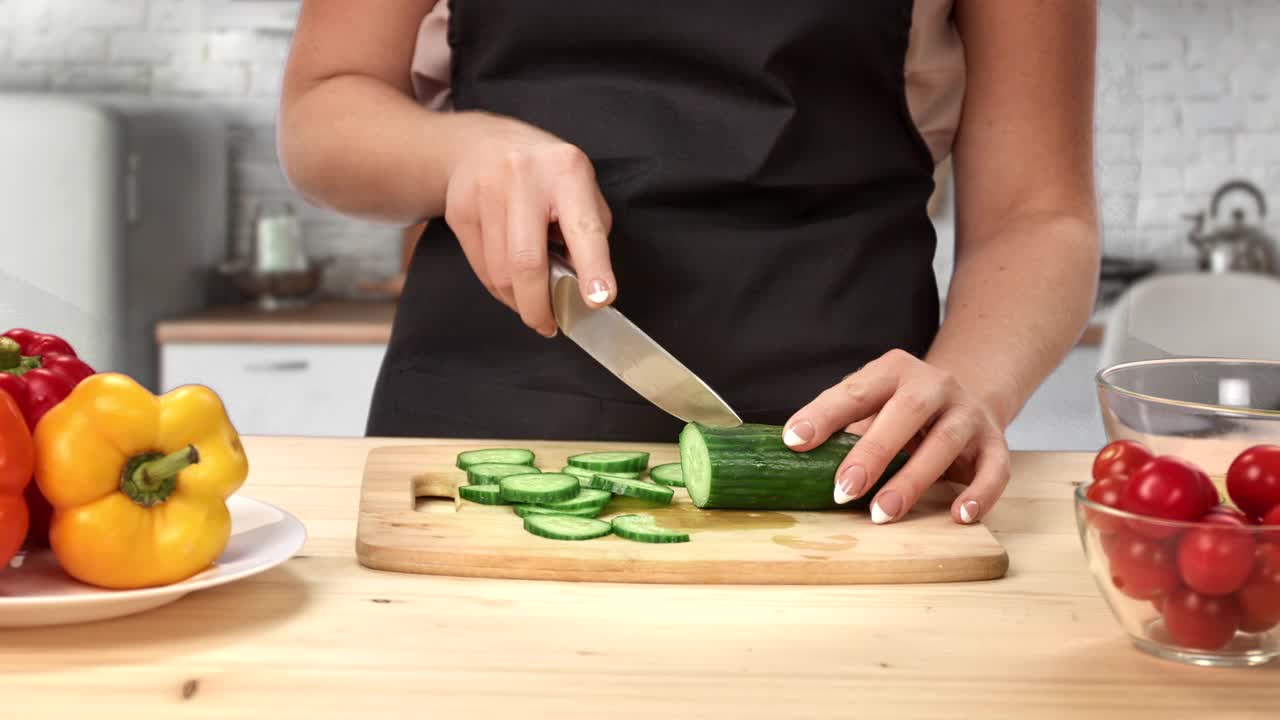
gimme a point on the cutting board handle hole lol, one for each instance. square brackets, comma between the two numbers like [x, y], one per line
[435, 504]
[435, 494]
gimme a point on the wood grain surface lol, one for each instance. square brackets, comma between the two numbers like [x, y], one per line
[324, 637]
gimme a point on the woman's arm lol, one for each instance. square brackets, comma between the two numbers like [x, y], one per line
[353, 138]
[351, 135]
[1027, 250]
[1025, 273]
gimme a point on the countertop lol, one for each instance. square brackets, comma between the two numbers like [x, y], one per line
[324, 637]
[330, 322]
[336, 322]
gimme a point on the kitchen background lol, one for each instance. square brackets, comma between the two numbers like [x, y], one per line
[1188, 98]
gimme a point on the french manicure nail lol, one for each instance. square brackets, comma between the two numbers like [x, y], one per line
[851, 483]
[886, 507]
[597, 291]
[798, 434]
[968, 511]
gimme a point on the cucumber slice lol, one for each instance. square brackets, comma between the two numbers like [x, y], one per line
[643, 528]
[491, 473]
[585, 499]
[633, 488]
[669, 474]
[587, 512]
[507, 456]
[588, 474]
[538, 487]
[611, 461]
[566, 527]
[483, 494]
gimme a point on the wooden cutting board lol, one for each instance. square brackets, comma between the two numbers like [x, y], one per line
[412, 521]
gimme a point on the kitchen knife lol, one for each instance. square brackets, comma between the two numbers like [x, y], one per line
[627, 352]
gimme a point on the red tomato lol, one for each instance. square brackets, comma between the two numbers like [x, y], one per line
[1260, 597]
[1142, 568]
[1210, 490]
[1272, 518]
[1226, 516]
[1216, 561]
[1109, 541]
[1253, 480]
[1120, 459]
[1200, 621]
[1108, 491]
[1168, 488]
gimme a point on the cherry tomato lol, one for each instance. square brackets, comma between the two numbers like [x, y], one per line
[1142, 568]
[1120, 459]
[1216, 561]
[1203, 622]
[1226, 516]
[1272, 518]
[1167, 488]
[1253, 480]
[1108, 491]
[1109, 541]
[1260, 597]
[1210, 490]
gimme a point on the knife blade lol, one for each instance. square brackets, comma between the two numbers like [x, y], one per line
[632, 356]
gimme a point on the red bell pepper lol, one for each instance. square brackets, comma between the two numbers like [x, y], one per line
[37, 371]
[17, 460]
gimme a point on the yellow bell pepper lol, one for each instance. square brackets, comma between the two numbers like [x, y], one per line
[138, 483]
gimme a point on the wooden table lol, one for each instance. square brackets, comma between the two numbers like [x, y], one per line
[325, 637]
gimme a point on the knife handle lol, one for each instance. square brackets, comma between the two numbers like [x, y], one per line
[559, 268]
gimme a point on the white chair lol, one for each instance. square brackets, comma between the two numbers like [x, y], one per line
[1229, 315]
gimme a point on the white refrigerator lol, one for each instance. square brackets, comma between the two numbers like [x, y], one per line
[113, 214]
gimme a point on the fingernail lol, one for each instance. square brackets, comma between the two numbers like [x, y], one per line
[886, 507]
[851, 483]
[968, 511]
[598, 291]
[798, 434]
[554, 332]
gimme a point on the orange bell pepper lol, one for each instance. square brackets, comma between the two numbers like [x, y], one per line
[17, 458]
[138, 483]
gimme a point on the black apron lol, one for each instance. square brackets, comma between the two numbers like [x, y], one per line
[768, 189]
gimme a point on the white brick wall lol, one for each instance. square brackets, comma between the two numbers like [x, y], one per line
[1207, 73]
[161, 48]
[1188, 97]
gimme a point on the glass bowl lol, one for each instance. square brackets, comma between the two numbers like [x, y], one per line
[1203, 410]
[1148, 570]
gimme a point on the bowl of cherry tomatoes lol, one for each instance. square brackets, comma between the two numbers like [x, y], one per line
[1191, 571]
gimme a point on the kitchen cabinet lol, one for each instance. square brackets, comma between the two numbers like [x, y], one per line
[282, 388]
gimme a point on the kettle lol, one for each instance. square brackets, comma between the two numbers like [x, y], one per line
[1237, 247]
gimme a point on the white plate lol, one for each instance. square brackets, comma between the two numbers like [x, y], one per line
[39, 593]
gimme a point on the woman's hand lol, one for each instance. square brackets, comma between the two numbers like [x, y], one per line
[906, 400]
[506, 187]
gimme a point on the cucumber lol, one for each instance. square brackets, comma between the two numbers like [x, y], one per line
[538, 487]
[633, 488]
[749, 468]
[611, 461]
[491, 473]
[587, 512]
[483, 494]
[643, 528]
[586, 498]
[507, 456]
[669, 474]
[588, 474]
[566, 527]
